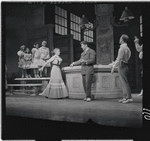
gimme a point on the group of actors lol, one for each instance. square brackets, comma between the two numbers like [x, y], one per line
[56, 87]
[33, 60]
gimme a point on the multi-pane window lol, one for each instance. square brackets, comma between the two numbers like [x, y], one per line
[61, 25]
[141, 27]
[74, 27]
[88, 35]
[60, 21]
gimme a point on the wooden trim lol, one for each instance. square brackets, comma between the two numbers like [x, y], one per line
[13, 85]
[23, 79]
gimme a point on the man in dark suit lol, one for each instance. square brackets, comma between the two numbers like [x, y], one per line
[86, 61]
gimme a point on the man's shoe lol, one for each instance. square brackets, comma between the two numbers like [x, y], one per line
[120, 101]
[88, 99]
[85, 99]
[127, 101]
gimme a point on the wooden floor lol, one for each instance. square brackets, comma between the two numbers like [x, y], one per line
[40, 118]
[103, 112]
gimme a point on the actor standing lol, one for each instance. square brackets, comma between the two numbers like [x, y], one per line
[140, 50]
[86, 61]
[124, 55]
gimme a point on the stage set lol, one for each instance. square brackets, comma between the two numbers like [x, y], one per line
[104, 108]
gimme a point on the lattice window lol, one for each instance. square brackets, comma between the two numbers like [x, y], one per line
[74, 28]
[60, 21]
[141, 27]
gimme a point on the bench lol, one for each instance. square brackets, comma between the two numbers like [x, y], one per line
[44, 80]
[26, 82]
[35, 87]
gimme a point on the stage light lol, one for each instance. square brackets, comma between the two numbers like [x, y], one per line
[125, 18]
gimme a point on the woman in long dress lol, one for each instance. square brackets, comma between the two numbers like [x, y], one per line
[56, 87]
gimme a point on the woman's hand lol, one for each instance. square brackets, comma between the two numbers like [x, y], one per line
[111, 64]
[40, 69]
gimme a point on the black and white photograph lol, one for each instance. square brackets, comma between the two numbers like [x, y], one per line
[73, 70]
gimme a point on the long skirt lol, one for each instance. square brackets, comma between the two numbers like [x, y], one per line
[56, 87]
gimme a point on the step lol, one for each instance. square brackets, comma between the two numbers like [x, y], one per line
[23, 79]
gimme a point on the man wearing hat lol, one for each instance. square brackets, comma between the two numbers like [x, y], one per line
[86, 61]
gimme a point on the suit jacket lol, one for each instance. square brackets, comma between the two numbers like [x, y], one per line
[89, 56]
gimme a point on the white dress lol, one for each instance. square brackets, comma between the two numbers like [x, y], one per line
[56, 87]
[36, 58]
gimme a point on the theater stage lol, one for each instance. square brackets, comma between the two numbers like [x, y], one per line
[106, 111]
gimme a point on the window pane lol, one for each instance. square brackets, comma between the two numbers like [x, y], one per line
[56, 19]
[62, 30]
[74, 26]
[65, 23]
[71, 25]
[56, 28]
[140, 19]
[141, 28]
[59, 20]
[71, 17]
[76, 19]
[65, 31]
[59, 29]
[65, 14]
[90, 34]
[59, 10]
[79, 29]
[79, 37]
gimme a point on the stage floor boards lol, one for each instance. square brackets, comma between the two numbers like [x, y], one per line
[101, 111]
